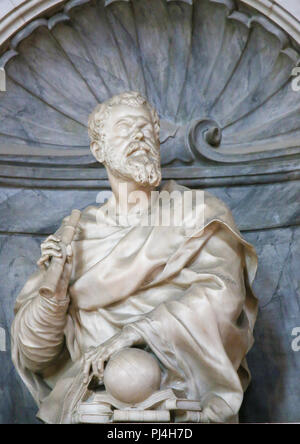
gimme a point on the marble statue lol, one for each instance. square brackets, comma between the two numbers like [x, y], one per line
[138, 321]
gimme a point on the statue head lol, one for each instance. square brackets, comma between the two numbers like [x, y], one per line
[124, 134]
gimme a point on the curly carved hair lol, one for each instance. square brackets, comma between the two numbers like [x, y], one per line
[102, 112]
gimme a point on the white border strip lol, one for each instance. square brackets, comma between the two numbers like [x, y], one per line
[2, 80]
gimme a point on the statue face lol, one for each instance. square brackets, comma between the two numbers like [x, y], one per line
[131, 148]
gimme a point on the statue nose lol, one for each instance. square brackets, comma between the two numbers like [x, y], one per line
[139, 135]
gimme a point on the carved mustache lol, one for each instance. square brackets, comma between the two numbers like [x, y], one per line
[137, 146]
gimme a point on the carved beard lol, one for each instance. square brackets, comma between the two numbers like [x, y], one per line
[138, 165]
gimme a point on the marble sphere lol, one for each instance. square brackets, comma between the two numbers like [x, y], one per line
[132, 375]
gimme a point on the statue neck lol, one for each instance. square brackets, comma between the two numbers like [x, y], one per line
[129, 195]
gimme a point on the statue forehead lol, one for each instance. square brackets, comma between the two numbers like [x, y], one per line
[118, 112]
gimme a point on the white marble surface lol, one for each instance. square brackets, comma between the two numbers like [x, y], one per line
[292, 6]
[5, 8]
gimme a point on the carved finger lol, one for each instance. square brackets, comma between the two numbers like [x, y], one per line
[100, 364]
[43, 259]
[53, 238]
[100, 367]
[50, 245]
[86, 370]
[95, 368]
[42, 262]
[51, 252]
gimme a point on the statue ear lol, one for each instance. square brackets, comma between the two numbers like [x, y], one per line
[97, 151]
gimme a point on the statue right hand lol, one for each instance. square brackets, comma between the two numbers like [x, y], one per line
[53, 247]
[50, 248]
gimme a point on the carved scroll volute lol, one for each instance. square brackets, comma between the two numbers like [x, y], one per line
[202, 136]
[204, 139]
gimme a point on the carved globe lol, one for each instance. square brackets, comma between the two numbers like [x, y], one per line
[132, 375]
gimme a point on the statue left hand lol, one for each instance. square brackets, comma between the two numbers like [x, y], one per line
[96, 357]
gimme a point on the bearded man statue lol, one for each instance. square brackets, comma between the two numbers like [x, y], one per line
[148, 321]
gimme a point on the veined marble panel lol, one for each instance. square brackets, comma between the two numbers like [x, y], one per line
[275, 393]
[41, 211]
[16, 404]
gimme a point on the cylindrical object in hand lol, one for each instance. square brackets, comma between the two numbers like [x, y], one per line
[55, 270]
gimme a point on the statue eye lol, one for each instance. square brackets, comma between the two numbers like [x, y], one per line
[123, 128]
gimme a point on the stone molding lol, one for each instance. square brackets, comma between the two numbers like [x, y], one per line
[15, 14]
[285, 13]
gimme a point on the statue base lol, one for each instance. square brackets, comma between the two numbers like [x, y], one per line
[161, 406]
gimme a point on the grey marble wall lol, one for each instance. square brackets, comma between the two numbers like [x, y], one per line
[27, 216]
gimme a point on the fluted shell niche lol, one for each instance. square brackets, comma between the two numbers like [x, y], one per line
[219, 74]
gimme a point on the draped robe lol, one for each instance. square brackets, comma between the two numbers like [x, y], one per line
[188, 294]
